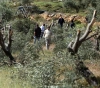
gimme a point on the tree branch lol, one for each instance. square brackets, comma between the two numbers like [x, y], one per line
[76, 41]
[73, 47]
[2, 40]
[5, 48]
[88, 28]
[9, 39]
[91, 36]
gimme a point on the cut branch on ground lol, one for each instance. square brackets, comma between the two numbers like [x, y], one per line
[87, 74]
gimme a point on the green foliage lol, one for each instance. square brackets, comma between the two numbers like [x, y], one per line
[7, 13]
[84, 3]
[60, 46]
[46, 72]
[19, 41]
[88, 47]
[57, 8]
[94, 5]
[3, 58]
[35, 9]
[98, 9]
[72, 4]
[23, 25]
[90, 13]
[77, 22]
[26, 2]
[28, 54]
[50, 6]
[9, 78]
[77, 5]
[21, 37]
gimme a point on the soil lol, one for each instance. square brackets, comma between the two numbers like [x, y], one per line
[94, 67]
[52, 46]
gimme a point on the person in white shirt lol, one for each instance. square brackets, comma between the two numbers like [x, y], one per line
[42, 30]
[47, 36]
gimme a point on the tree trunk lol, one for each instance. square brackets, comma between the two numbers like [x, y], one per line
[74, 45]
[8, 53]
[97, 44]
[7, 48]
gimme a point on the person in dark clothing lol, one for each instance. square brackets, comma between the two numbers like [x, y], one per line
[87, 19]
[72, 24]
[61, 21]
[37, 33]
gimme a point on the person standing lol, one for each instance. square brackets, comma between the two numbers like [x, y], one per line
[61, 21]
[37, 33]
[42, 30]
[72, 23]
[47, 36]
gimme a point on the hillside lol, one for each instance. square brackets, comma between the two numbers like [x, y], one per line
[71, 61]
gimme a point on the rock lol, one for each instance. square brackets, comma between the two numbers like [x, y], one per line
[67, 16]
[45, 15]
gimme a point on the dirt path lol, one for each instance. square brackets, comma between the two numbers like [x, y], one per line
[52, 46]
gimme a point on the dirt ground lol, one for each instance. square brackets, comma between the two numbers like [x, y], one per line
[94, 67]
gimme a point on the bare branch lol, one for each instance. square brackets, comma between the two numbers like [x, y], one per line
[1, 40]
[91, 36]
[5, 48]
[88, 28]
[73, 47]
[76, 40]
[9, 39]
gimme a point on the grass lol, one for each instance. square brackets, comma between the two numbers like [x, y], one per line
[49, 6]
[41, 3]
[47, 53]
[9, 78]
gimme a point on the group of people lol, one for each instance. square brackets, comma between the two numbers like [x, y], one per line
[61, 21]
[42, 31]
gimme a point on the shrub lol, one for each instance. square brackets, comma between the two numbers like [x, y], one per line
[35, 9]
[26, 1]
[23, 25]
[48, 6]
[7, 14]
[57, 8]
[76, 5]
